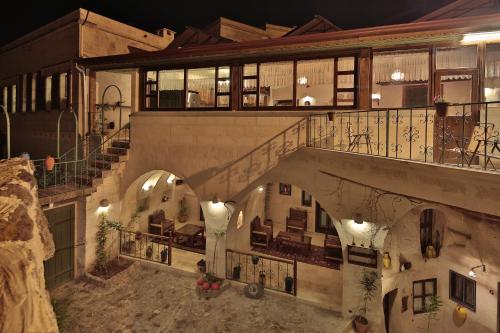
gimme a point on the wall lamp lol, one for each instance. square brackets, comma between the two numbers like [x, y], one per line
[103, 206]
[473, 274]
[358, 219]
[215, 200]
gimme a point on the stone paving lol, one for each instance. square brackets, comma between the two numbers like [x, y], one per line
[146, 298]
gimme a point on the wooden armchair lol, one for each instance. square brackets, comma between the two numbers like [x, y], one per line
[261, 234]
[333, 248]
[297, 220]
[159, 225]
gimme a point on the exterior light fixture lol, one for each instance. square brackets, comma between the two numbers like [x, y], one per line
[480, 37]
[260, 189]
[170, 178]
[358, 219]
[397, 75]
[104, 203]
[472, 272]
[215, 200]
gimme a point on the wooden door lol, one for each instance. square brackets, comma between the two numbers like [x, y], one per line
[60, 268]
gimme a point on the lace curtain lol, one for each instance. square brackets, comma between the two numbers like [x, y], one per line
[462, 57]
[316, 72]
[411, 66]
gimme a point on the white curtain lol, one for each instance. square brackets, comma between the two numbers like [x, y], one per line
[316, 72]
[276, 74]
[413, 66]
[452, 58]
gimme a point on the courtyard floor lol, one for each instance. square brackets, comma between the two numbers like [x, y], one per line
[146, 298]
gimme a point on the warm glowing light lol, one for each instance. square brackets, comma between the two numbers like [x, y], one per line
[302, 80]
[151, 181]
[260, 189]
[472, 274]
[397, 75]
[488, 92]
[480, 37]
[376, 96]
[171, 178]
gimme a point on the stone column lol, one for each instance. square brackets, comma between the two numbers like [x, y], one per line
[217, 217]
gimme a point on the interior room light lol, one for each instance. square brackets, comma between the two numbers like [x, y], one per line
[481, 36]
[397, 75]
[376, 96]
[302, 80]
[170, 178]
[472, 272]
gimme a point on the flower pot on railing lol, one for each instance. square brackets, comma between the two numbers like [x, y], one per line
[202, 266]
[236, 272]
[255, 259]
[49, 163]
[262, 278]
[330, 116]
[441, 109]
[164, 255]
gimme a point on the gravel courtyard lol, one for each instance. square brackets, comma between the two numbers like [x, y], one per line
[145, 298]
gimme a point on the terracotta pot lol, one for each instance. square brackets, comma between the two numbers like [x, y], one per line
[49, 163]
[441, 109]
[360, 324]
[330, 116]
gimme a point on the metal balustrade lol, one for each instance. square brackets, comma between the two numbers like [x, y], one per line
[467, 136]
[146, 246]
[268, 271]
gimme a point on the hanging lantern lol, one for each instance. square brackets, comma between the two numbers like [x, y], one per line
[386, 260]
[49, 163]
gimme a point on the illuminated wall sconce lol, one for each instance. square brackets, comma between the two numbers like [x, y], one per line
[260, 189]
[472, 272]
[103, 206]
[215, 200]
[376, 98]
[358, 219]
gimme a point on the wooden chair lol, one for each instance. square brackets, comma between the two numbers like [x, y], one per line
[333, 248]
[261, 234]
[297, 220]
[159, 225]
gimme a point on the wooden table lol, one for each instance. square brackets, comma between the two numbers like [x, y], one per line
[294, 239]
[190, 231]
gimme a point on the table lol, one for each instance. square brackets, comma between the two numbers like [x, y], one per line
[190, 231]
[294, 239]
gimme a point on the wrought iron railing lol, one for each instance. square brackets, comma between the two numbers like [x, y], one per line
[81, 172]
[146, 246]
[467, 136]
[272, 273]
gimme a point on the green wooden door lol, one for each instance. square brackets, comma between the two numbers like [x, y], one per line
[59, 268]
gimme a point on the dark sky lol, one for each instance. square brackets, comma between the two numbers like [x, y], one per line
[176, 14]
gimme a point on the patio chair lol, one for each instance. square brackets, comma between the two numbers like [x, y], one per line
[355, 140]
[261, 234]
[333, 248]
[159, 225]
[297, 220]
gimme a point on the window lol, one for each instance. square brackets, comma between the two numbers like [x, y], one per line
[455, 58]
[423, 291]
[426, 219]
[329, 82]
[187, 89]
[306, 199]
[463, 290]
[400, 79]
[48, 92]
[492, 74]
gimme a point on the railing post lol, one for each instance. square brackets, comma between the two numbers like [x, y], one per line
[295, 276]
[169, 257]
[387, 131]
[308, 131]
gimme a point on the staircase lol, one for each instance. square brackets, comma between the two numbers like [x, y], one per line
[69, 179]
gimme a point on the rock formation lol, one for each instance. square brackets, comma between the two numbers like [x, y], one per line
[25, 242]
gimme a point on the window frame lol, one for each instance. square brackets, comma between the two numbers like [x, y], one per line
[424, 294]
[464, 279]
[217, 78]
[317, 221]
[294, 106]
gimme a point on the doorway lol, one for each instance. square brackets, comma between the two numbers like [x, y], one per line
[60, 268]
[388, 302]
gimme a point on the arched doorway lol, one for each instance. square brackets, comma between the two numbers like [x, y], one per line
[162, 207]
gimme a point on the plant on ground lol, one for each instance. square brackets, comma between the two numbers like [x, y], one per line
[101, 238]
[431, 311]
[368, 284]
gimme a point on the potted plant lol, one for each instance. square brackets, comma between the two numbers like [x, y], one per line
[236, 272]
[149, 252]
[202, 265]
[262, 278]
[164, 255]
[288, 284]
[49, 163]
[255, 259]
[138, 235]
[183, 211]
[441, 106]
[368, 286]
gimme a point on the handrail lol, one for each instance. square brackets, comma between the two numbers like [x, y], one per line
[262, 256]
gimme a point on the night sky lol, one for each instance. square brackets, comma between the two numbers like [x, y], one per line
[176, 14]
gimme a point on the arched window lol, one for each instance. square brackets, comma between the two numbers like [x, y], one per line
[430, 234]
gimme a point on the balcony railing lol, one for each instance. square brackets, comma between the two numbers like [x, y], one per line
[466, 136]
[272, 273]
[145, 246]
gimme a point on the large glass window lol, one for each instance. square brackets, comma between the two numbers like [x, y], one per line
[223, 86]
[48, 92]
[315, 82]
[400, 79]
[200, 87]
[456, 58]
[492, 73]
[276, 84]
[250, 85]
[171, 88]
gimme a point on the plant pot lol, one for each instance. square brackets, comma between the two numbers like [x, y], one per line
[330, 116]
[202, 266]
[262, 278]
[49, 163]
[149, 252]
[441, 109]
[288, 284]
[255, 259]
[236, 272]
[138, 236]
[360, 324]
[164, 255]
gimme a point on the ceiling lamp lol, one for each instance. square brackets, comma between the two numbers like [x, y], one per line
[302, 80]
[480, 37]
[473, 274]
[397, 75]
